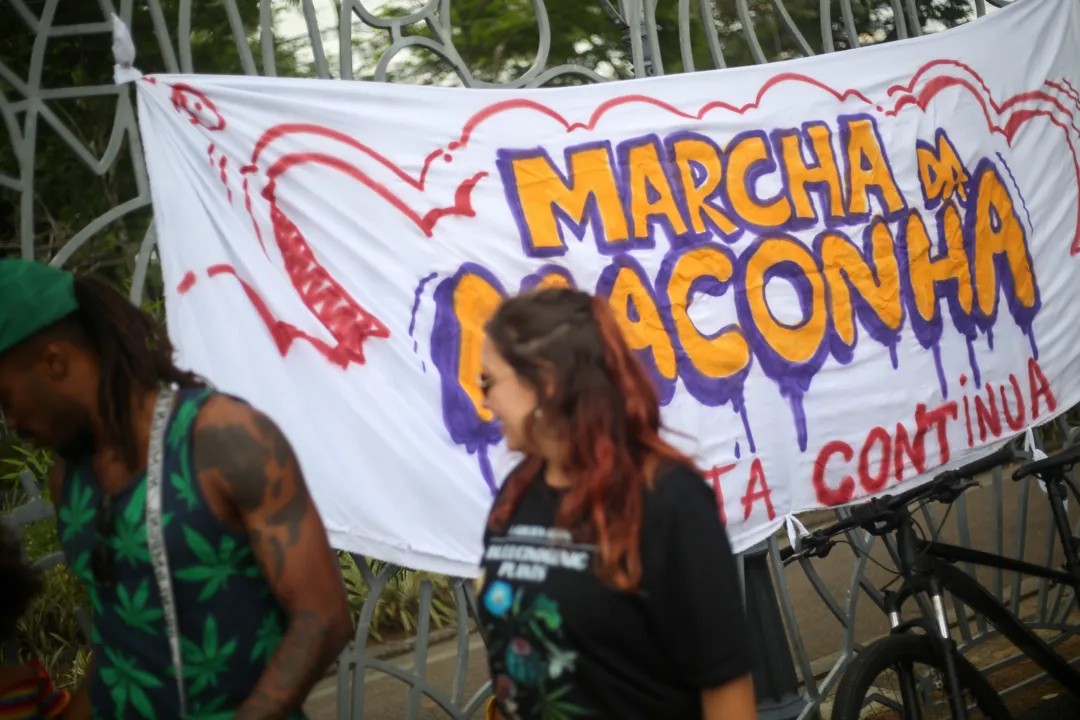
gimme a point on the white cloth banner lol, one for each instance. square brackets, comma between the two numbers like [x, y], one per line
[843, 272]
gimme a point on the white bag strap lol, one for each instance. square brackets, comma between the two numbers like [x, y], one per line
[155, 533]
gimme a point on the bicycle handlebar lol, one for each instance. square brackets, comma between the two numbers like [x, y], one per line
[1059, 460]
[877, 507]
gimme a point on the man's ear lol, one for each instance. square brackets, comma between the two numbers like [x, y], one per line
[54, 360]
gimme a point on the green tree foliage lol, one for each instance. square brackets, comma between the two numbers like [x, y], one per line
[498, 39]
[69, 194]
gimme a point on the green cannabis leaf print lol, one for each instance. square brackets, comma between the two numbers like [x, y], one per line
[211, 710]
[78, 511]
[203, 664]
[127, 683]
[133, 609]
[552, 706]
[129, 536]
[267, 638]
[182, 422]
[218, 565]
[184, 483]
[81, 567]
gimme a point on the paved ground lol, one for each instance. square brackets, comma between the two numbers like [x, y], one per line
[386, 698]
[1044, 700]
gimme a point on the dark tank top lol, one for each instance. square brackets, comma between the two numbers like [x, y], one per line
[229, 622]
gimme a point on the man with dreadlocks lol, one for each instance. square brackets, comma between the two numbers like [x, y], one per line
[184, 512]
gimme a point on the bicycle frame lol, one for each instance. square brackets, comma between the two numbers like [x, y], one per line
[928, 567]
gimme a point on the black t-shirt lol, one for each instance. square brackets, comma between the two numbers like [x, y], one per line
[564, 645]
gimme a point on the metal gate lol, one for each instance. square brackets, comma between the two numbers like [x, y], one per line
[74, 191]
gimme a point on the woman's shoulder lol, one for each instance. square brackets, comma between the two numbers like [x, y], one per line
[678, 482]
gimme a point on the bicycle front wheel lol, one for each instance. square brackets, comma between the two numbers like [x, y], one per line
[872, 685]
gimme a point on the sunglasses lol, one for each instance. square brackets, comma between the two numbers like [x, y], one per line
[102, 557]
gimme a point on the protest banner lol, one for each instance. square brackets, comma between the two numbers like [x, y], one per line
[842, 272]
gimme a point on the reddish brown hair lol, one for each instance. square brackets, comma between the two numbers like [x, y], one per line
[600, 401]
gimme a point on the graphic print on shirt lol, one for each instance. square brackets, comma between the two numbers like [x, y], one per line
[532, 667]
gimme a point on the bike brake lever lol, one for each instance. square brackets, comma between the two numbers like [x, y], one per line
[826, 548]
[951, 495]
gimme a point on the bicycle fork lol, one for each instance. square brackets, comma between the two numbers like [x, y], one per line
[948, 650]
[909, 692]
[924, 578]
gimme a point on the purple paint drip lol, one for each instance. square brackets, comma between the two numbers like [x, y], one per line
[486, 470]
[739, 405]
[936, 351]
[1019, 194]
[990, 338]
[417, 295]
[893, 356]
[798, 413]
[738, 450]
[973, 361]
[1034, 346]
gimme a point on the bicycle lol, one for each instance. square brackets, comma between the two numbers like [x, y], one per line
[927, 568]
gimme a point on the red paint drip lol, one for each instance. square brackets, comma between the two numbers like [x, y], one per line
[349, 323]
[254, 223]
[186, 283]
[224, 177]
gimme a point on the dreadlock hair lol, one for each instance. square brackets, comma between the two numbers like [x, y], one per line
[134, 354]
[21, 582]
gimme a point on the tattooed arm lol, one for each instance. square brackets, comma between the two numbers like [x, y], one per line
[249, 470]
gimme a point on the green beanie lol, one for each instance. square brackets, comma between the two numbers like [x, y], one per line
[33, 296]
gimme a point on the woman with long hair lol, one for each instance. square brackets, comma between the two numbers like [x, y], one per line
[609, 588]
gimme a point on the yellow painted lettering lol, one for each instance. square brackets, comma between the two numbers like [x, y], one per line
[998, 232]
[879, 286]
[742, 156]
[824, 172]
[794, 343]
[647, 172]
[867, 168]
[715, 357]
[646, 331]
[541, 190]
[552, 280]
[926, 272]
[690, 152]
[941, 172]
[475, 301]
